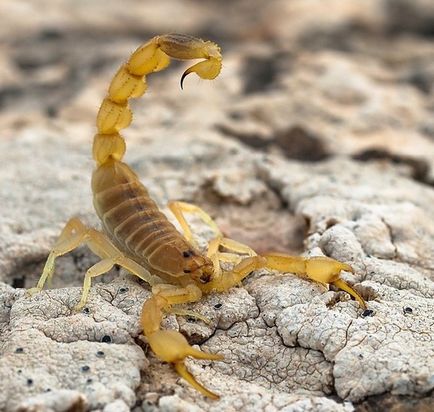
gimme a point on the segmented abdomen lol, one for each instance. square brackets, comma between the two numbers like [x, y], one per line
[129, 215]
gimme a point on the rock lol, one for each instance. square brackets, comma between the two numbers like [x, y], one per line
[253, 397]
[116, 406]
[62, 400]
[49, 347]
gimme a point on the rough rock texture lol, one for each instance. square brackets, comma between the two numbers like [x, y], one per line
[317, 138]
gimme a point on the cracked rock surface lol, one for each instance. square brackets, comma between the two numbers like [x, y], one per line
[316, 139]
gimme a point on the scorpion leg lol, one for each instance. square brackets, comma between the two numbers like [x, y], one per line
[320, 269]
[98, 269]
[216, 256]
[109, 259]
[70, 238]
[76, 233]
[180, 208]
[235, 246]
[169, 345]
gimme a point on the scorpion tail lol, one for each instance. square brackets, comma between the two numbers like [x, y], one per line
[130, 82]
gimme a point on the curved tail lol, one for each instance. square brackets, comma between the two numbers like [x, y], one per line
[130, 82]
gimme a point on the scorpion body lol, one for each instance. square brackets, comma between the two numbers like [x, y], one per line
[138, 237]
[138, 228]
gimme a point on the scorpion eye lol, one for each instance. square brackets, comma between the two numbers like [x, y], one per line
[187, 253]
[205, 278]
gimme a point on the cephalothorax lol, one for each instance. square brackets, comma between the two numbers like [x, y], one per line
[139, 238]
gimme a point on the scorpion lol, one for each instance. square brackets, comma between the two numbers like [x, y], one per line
[138, 237]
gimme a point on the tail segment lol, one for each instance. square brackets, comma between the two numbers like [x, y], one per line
[130, 82]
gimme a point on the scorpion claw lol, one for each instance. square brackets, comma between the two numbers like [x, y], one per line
[341, 284]
[321, 269]
[184, 373]
[325, 269]
[171, 346]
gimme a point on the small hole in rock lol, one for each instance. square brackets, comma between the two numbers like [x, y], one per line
[48, 390]
[86, 310]
[123, 290]
[418, 167]
[29, 382]
[259, 73]
[19, 350]
[299, 143]
[408, 310]
[367, 312]
[51, 34]
[85, 368]
[89, 380]
[19, 230]
[191, 319]
[106, 339]
[235, 115]
[100, 354]
[19, 282]
[331, 222]
[51, 111]
[218, 305]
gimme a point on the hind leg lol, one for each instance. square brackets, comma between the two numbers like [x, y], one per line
[70, 238]
[75, 234]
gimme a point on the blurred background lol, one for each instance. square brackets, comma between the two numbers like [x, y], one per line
[313, 77]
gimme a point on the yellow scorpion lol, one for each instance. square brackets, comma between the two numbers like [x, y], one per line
[139, 238]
